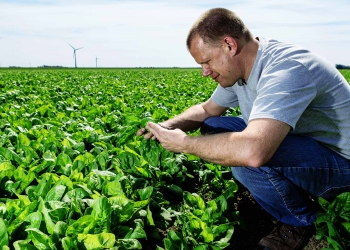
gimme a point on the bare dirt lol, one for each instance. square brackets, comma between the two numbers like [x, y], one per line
[257, 224]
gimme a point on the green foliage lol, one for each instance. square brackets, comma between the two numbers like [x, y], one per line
[333, 222]
[73, 174]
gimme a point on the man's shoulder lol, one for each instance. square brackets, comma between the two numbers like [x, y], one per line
[278, 50]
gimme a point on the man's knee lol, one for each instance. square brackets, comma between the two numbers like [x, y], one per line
[221, 124]
[209, 125]
[240, 174]
[249, 175]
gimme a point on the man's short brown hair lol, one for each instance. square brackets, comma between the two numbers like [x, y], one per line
[217, 23]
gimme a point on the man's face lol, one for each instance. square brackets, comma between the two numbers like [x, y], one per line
[216, 61]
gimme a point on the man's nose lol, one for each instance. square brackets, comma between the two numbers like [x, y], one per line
[206, 71]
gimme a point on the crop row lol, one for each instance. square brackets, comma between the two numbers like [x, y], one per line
[73, 175]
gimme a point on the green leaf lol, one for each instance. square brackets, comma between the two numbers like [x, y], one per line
[221, 201]
[128, 244]
[44, 110]
[343, 205]
[48, 221]
[122, 207]
[175, 241]
[334, 244]
[59, 231]
[24, 245]
[97, 241]
[58, 210]
[160, 114]
[6, 169]
[346, 225]
[56, 193]
[76, 193]
[101, 211]
[139, 232]
[143, 171]
[145, 193]
[8, 154]
[49, 156]
[207, 235]
[40, 240]
[176, 190]
[150, 220]
[44, 186]
[194, 201]
[64, 163]
[34, 219]
[102, 159]
[323, 203]
[22, 216]
[87, 158]
[26, 181]
[145, 120]
[223, 233]
[69, 244]
[82, 226]
[202, 247]
[4, 240]
[113, 188]
[23, 139]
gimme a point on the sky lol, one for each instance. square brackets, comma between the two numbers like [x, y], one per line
[153, 33]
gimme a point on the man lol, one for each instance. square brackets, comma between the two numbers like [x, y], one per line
[292, 140]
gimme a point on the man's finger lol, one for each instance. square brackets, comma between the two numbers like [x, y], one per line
[151, 125]
[141, 131]
[148, 135]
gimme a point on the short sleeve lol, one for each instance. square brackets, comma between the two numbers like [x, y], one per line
[225, 97]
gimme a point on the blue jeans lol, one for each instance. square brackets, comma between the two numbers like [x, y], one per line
[300, 168]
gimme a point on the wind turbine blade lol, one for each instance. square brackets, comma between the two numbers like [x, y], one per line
[71, 46]
[79, 48]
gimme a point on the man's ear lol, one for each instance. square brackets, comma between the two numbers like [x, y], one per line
[231, 44]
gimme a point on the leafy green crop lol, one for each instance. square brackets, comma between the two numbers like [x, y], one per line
[333, 223]
[73, 175]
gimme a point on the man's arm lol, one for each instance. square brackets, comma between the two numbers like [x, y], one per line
[253, 147]
[190, 119]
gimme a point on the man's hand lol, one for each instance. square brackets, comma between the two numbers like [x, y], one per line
[171, 140]
[146, 134]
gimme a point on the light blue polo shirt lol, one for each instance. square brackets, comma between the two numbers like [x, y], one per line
[293, 85]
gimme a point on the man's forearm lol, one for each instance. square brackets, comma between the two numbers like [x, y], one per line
[253, 147]
[190, 119]
[224, 149]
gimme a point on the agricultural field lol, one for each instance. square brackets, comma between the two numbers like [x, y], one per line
[73, 174]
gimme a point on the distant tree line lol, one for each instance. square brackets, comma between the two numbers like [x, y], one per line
[48, 66]
[340, 66]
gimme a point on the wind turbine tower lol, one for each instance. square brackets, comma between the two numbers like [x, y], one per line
[96, 61]
[74, 54]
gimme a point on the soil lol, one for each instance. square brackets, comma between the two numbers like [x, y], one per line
[257, 224]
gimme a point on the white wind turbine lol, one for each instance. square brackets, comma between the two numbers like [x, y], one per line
[96, 60]
[74, 54]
